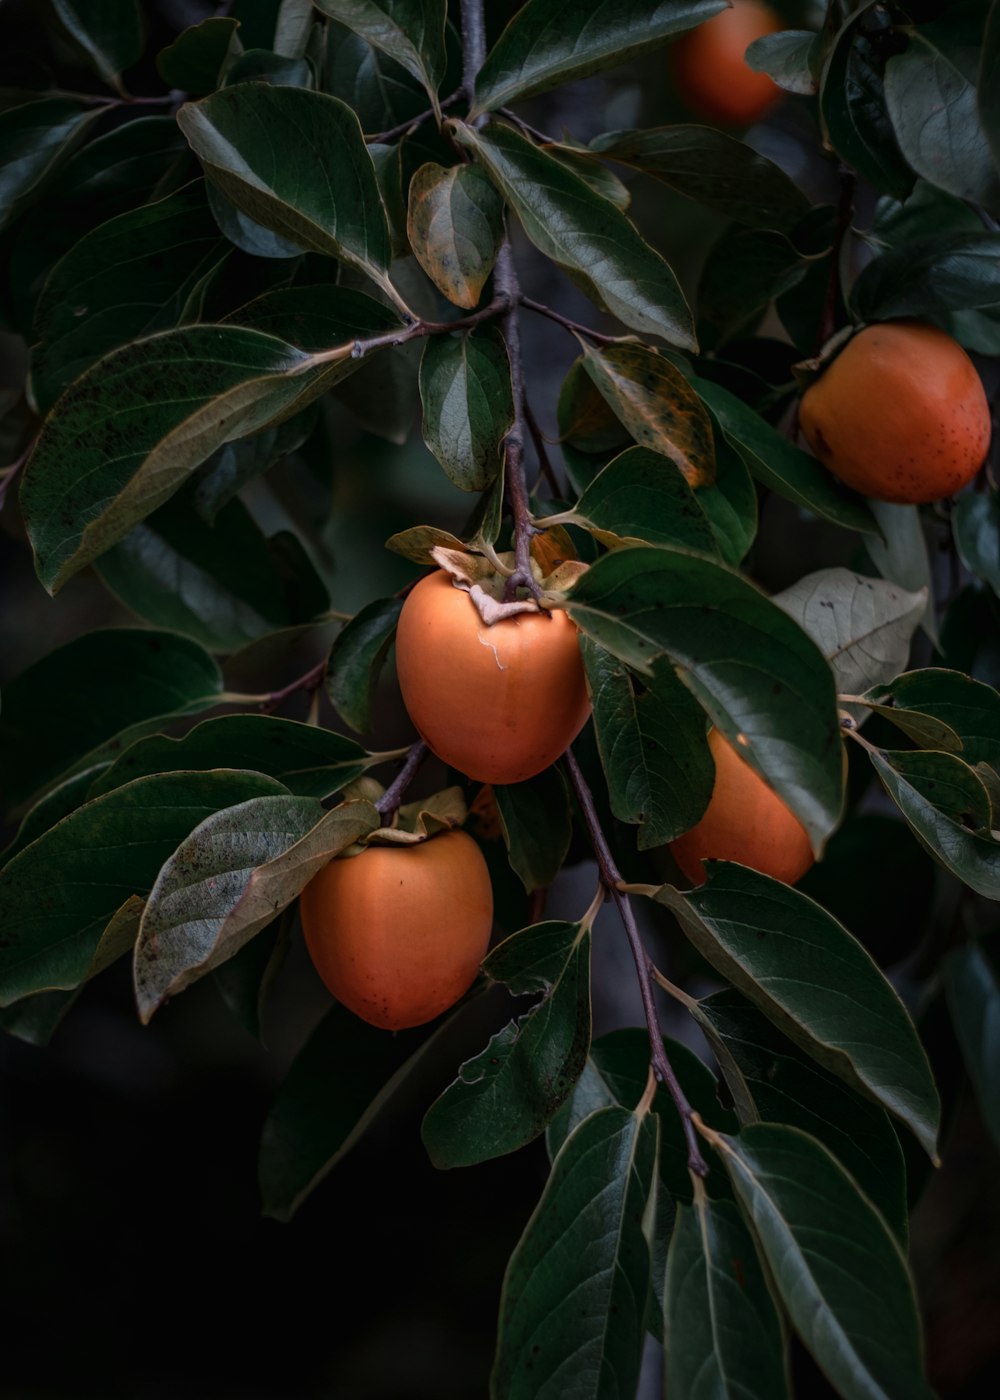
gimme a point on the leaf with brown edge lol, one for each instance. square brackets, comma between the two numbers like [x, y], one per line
[657, 405]
[455, 226]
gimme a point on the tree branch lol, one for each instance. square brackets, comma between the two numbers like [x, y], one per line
[358, 349]
[414, 123]
[473, 48]
[388, 804]
[611, 879]
[575, 326]
[506, 285]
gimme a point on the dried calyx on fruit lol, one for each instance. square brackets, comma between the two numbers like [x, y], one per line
[495, 687]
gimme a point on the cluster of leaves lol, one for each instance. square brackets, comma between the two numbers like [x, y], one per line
[304, 206]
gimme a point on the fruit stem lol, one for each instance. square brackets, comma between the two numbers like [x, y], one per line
[473, 50]
[506, 285]
[388, 804]
[576, 327]
[611, 879]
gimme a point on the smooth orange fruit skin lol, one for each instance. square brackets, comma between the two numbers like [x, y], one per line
[397, 933]
[900, 414]
[498, 703]
[745, 821]
[711, 73]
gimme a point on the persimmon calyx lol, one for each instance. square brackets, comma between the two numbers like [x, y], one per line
[485, 585]
[413, 822]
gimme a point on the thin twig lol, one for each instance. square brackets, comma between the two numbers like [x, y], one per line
[414, 123]
[358, 349]
[311, 680]
[506, 284]
[528, 129]
[598, 336]
[544, 460]
[388, 804]
[611, 879]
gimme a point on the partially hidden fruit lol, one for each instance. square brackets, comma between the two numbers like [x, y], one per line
[711, 73]
[500, 702]
[900, 414]
[397, 933]
[745, 821]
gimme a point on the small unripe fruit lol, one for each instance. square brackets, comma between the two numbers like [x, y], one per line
[397, 933]
[900, 414]
[499, 703]
[745, 821]
[711, 72]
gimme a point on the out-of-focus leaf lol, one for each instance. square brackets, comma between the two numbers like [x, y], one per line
[652, 745]
[585, 234]
[838, 1269]
[723, 1333]
[307, 760]
[815, 982]
[755, 673]
[931, 276]
[713, 168]
[57, 803]
[118, 678]
[863, 626]
[108, 32]
[901, 555]
[356, 660]
[52, 927]
[976, 523]
[196, 60]
[504, 1097]
[537, 826]
[227, 880]
[455, 227]
[34, 141]
[548, 43]
[574, 1297]
[973, 991]
[786, 59]
[988, 86]
[468, 404]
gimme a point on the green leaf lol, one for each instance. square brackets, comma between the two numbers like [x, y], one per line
[988, 86]
[754, 672]
[356, 660]
[317, 318]
[504, 1097]
[371, 83]
[236, 464]
[934, 111]
[640, 498]
[127, 434]
[58, 895]
[731, 504]
[723, 1333]
[968, 707]
[196, 60]
[295, 162]
[308, 761]
[778, 464]
[652, 746]
[468, 404]
[549, 42]
[137, 274]
[118, 678]
[918, 783]
[767, 1071]
[863, 626]
[713, 168]
[583, 233]
[656, 404]
[815, 982]
[853, 106]
[109, 32]
[245, 981]
[586, 420]
[973, 990]
[744, 272]
[574, 1295]
[786, 58]
[901, 555]
[455, 226]
[410, 31]
[36, 1019]
[270, 68]
[931, 276]
[246, 234]
[35, 139]
[976, 524]
[309, 1128]
[293, 28]
[838, 1270]
[537, 826]
[57, 803]
[227, 880]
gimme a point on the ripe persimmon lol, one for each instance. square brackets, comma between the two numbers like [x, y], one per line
[499, 702]
[900, 414]
[710, 69]
[397, 932]
[745, 821]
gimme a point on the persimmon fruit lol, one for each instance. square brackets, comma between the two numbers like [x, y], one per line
[745, 821]
[900, 414]
[397, 932]
[710, 70]
[500, 703]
